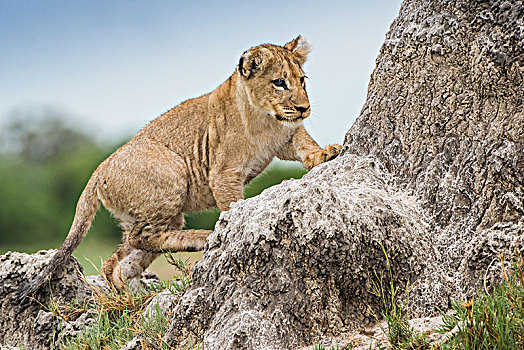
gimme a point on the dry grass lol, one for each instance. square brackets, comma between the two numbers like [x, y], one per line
[119, 316]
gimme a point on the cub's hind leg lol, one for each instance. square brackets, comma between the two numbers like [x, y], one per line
[142, 243]
[109, 265]
[153, 239]
[143, 179]
[126, 262]
[163, 235]
[131, 266]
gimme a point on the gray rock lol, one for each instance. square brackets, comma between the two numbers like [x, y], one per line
[29, 323]
[148, 280]
[32, 323]
[133, 344]
[449, 128]
[165, 301]
[297, 262]
[374, 338]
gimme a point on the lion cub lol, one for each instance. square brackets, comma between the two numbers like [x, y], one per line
[198, 155]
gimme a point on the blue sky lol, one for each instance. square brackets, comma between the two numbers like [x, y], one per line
[112, 66]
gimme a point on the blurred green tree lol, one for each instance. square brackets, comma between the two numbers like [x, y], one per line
[44, 165]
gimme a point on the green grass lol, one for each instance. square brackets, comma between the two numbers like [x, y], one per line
[119, 315]
[399, 333]
[491, 321]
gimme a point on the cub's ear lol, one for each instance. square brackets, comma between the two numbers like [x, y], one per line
[253, 61]
[300, 47]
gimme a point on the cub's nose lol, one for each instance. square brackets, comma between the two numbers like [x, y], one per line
[302, 109]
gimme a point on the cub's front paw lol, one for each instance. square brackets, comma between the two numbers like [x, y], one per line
[332, 151]
[323, 155]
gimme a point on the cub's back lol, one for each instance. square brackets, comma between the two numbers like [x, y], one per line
[181, 128]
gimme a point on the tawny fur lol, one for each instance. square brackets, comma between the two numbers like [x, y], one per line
[198, 155]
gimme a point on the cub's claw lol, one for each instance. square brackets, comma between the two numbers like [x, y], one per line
[332, 151]
[321, 155]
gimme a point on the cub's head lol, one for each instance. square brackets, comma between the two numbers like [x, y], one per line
[274, 80]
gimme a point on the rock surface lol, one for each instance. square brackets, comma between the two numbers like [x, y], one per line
[433, 169]
[297, 261]
[373, 338]
[445, 115]
[29, 323]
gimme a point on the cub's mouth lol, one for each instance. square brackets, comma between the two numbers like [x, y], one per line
[283, 119]
[292, 114]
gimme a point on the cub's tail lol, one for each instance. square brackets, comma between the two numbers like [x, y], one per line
[86, 209]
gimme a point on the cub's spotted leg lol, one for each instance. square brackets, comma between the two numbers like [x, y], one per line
[131, 266]
[145, 244]
[143, 241]
[166, 234]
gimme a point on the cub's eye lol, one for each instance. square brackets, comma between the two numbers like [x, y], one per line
[280, 83]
